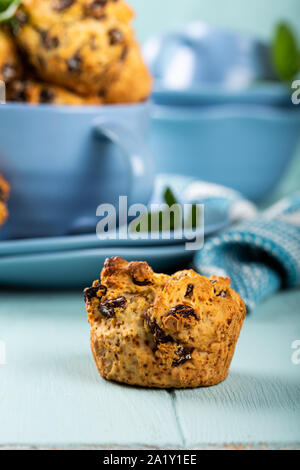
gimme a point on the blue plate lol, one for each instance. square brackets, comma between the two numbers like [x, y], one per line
[74, 261]
[215, 220]
[78, 268]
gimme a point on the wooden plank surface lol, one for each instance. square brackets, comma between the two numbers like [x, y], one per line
[50, 390]
[51, 394]
[260, 401]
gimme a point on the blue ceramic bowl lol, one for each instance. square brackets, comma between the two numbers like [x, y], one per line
[63, 162]
[268, 93]
[201, 65]
[244, 147]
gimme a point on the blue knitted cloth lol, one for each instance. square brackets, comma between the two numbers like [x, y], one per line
[260, 255]
[261, 250]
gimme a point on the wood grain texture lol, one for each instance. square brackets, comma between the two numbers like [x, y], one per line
[260, 401]
[50, 390]
[51, 394]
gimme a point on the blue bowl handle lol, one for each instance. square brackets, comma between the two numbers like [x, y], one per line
[140, 164]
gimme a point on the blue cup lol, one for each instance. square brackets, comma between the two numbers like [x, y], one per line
[201, 58]
[62, 162]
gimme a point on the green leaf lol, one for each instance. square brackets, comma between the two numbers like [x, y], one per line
[286, 55]
[170, 200]
[7, 9]
[169, 197]
[194, 218]
[4, 4]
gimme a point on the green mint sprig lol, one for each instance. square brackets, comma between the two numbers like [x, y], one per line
[7, 9]
[286, 53]
[191, 221]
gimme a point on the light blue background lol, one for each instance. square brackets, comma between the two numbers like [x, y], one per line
[253, 16]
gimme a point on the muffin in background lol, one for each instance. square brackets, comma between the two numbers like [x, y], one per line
[4, 195]
[134, 81]
[84, 46]
[72, 11]
[21, 84]
[10, 64]
[36, 92]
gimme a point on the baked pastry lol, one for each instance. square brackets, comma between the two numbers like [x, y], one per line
[30, 90]
[10, 66]
[4, 195]
[50, 12]
[155, 330]
[134, 81]
[79, 44]
[33, 92]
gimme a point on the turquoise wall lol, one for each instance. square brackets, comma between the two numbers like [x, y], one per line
[254, 16]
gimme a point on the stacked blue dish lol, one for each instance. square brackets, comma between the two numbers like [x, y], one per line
[219, 114]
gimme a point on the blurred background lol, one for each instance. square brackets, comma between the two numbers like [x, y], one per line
[220, 113]
[257, 17]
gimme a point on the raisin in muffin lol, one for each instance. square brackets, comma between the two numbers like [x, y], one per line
[34, 92]
[4, 194]
[10, 66]
[155, 330]
[81, 44]
[133, 82]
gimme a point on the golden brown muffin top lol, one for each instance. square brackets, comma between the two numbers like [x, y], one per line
[170, 306]
[37, 92]
[4, 195]
[49, 12]
[10, 65]
[4, 189]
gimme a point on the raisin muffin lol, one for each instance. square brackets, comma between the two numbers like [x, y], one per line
[10, 66]
[50, 12]
[133, 82]
[33, 92]
[161, 331]
[4, 194]
[80, 44]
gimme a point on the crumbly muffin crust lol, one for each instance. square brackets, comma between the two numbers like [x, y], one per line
[161, 331]
[82, 45]
[10, 65]
[4, 195]
[36, 92]
[134, 82]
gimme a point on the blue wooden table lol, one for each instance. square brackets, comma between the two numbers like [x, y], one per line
[52, 396]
